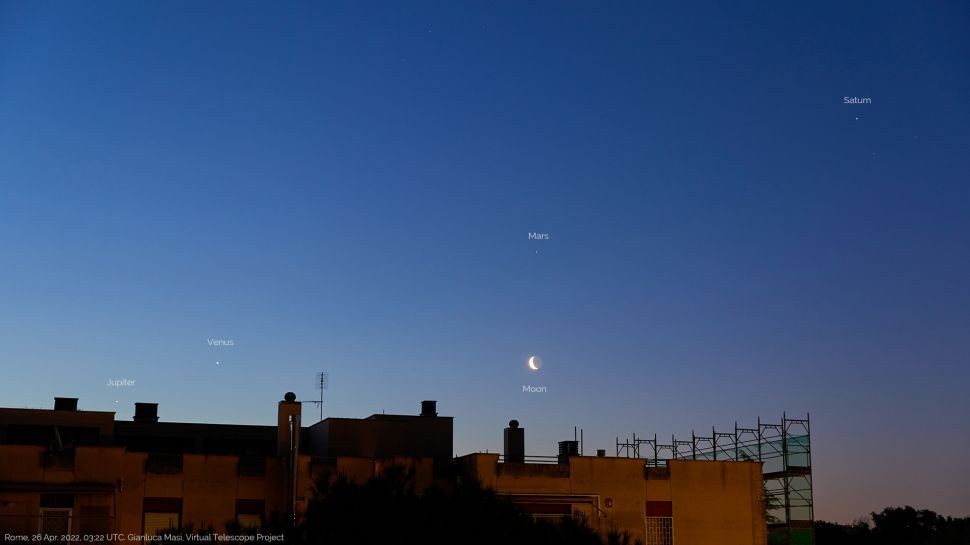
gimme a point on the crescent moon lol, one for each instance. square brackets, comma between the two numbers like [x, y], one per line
[534, 364]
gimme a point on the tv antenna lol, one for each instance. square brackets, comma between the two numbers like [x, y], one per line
[322, 383]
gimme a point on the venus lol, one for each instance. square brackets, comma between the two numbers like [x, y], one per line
[535, 362]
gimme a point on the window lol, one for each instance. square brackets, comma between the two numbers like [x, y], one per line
[163, 464]
[55, 522]
[249, 513]
[157, 522]
[55, 516]
[161, 514]
[659, 523]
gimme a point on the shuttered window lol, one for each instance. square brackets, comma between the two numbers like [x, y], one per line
[249, 513]
[161, 514]
[156, 522]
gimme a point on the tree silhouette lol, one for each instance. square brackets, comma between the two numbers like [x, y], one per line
[387, 509]
[897, 526]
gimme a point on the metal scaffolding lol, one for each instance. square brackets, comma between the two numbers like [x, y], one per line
[784, 451]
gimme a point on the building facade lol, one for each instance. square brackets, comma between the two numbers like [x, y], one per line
[65, 471]
[687, 502]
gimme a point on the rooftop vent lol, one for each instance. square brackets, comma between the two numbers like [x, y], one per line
[65, 403]
[567, 449]
[146, 412]
[429, 408]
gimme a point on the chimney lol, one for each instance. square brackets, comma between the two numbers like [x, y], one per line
[288, 430]
[429, 408]
[287, 418]
[146, 412]
[567, 449]
[514, 442]
[65, 403]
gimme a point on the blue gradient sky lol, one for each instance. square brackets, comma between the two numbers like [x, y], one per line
[349, 187]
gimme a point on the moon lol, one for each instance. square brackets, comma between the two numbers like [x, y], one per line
[535, 362]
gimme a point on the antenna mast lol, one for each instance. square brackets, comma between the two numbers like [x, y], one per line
[323, 383]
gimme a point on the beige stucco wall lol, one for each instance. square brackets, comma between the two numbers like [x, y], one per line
[717, 502]
[713, 502]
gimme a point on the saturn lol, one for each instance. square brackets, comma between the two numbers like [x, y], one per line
[535, 362]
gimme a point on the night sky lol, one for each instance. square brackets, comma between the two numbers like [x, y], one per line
[350, 188]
